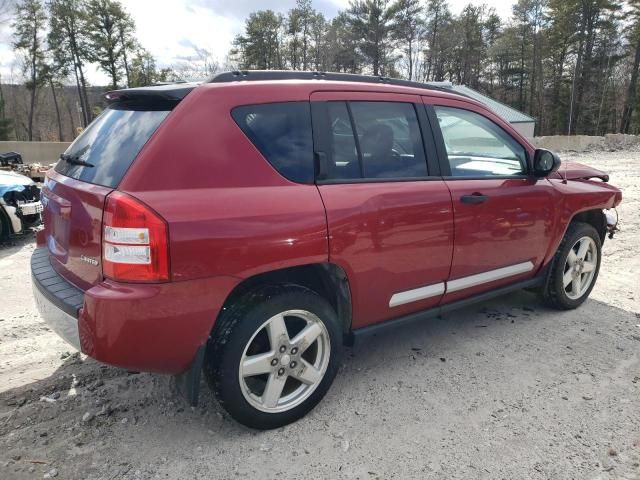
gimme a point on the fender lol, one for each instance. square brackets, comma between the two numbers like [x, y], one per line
[575, 197]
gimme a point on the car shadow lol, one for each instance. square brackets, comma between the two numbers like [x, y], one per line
[388, 382]
[440, 339]
[14, 244]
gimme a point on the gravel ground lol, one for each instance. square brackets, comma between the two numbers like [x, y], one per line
[503, 390]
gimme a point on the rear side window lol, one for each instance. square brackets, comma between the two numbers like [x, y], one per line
[109, 145]
[344, 151]
[375, 140]
[282, 133]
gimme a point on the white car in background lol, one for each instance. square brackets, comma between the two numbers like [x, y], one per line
[20, 207]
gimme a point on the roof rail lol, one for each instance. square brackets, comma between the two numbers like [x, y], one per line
[257, 75]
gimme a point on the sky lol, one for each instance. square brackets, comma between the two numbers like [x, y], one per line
[172, 30]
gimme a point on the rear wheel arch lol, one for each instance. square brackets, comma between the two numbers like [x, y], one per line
[328, 280]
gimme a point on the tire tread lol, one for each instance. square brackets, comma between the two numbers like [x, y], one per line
[219, 353]
[551, 293]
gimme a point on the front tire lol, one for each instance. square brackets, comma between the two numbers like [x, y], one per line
[273, 355]
[4, 226]
[575, 267]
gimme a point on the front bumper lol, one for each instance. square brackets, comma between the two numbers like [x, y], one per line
[23, 216]
[143, 327]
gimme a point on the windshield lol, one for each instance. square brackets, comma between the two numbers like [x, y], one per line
[105, 150]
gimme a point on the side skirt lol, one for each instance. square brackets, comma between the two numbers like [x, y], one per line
[361, 333]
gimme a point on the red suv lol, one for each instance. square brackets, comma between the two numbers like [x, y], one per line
[252, 225]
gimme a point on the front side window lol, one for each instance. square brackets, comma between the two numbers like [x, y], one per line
[477, 147]
[282, 133]
[375, 140]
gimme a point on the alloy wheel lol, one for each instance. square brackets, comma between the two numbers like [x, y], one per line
[284, 361]
[580, 267]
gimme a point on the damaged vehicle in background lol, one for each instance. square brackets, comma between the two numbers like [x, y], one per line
[20, 207]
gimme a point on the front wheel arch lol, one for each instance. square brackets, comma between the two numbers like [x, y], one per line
[596, 218]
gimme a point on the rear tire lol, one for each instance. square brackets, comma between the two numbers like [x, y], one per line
[273, 355]
[575, 267]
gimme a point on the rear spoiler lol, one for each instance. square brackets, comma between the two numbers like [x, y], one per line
[171, 92]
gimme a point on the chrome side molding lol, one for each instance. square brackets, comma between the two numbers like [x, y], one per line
[422, 293]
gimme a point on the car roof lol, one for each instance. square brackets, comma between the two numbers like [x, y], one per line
[329, 81]
[279, 75]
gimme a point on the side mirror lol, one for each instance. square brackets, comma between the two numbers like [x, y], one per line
[545, 162]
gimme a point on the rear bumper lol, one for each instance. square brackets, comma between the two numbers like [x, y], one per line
[142, 327]
[57, 300]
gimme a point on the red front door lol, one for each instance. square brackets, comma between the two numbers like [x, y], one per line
[501, 240]
[503, 215]
[390, 225]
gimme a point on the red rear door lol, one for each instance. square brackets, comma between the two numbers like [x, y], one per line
[503, 215]
[74, 192]
[73, 221]
[390, 224]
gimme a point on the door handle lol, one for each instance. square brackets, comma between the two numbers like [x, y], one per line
[474, 198]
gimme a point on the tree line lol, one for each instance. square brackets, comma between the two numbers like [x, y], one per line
[56, 40]
[571, 64]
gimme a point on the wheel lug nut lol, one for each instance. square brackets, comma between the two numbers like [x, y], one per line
[281, 372]
[274, 362]
[293, 364]
[294, 350]
[283, 349]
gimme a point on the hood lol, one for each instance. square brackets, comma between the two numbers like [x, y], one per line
[578, 171]
[13, 178]
[13, 182]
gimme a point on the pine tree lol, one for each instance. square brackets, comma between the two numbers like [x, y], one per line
[319, 33]
[143, 70]
[633, 35]
[470, 48]
[105, 19]
[29, 23]
[409, 30]
[372, 24]
[68, 45]
[439, 19]
[260, 46]
[300, 23]
[126, 29]
[342, 46]
[5, 123]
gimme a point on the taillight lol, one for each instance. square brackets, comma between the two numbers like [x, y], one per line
[135, 241]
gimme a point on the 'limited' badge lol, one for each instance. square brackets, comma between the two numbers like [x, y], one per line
[89, 260]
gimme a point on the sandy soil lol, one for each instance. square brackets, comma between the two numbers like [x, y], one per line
[508, 389]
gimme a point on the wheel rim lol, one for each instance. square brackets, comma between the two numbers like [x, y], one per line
[580, 268]
[284, 361]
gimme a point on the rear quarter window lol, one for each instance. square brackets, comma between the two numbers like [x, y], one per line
[282, 133]
[110, 145]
